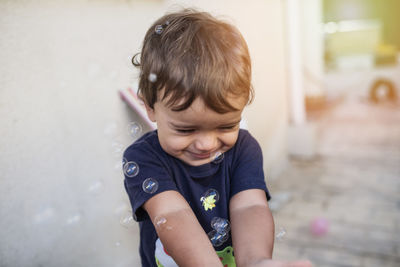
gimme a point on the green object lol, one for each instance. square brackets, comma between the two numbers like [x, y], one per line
[226, 257]
[158, 263]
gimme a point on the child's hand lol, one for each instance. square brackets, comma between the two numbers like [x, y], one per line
[276, 263]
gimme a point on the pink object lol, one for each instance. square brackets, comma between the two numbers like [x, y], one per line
[130, 97]
[319, 226]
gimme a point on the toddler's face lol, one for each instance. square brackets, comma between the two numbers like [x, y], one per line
[197, 134]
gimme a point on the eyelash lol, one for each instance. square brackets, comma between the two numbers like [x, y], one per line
[228, 127]
[187, 131]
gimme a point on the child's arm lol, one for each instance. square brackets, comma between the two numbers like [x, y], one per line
[252, 229]
[178, 229]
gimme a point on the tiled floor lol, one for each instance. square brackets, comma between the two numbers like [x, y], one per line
[353, 183]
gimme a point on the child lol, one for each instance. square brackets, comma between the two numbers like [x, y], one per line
[196, 184]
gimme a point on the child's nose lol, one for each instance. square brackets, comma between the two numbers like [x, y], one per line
[206, 142]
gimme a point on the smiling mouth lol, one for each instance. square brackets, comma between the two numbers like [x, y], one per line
[201, 155]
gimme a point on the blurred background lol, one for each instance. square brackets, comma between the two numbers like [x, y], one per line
[326, 114]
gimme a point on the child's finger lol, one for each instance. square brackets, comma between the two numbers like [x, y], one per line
[301, 263]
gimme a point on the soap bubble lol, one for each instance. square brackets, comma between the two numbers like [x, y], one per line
[93, 70]
[73, 219]
[44, 216]
[279, 200]
[160, 221]
[131, 169]
[217, 157]
[113, 75]
[217, 238]
[117, 149]
[281, 233]
[220, 224]
[111, 129]
[158, 29]
[150, 185]
[121, 208]
[152, 77]
[209, 198]
[117, 165]
[96, 187]
[134, 129]
[127, 220]
[211, 192]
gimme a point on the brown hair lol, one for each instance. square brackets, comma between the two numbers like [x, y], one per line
[191, 54]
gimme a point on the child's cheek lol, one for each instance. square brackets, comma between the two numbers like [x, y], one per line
[230, 138]
[178, 142]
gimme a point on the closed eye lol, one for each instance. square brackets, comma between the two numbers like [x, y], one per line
[229, 127]
[185, 131]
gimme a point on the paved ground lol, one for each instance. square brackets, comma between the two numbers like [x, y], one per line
[353, 182]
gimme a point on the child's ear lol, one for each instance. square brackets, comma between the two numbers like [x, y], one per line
[150, 113]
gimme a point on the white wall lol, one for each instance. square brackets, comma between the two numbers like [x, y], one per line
[61, 190]
[63, 125]
[313, 47]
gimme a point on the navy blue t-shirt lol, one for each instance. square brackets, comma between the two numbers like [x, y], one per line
[208, 188]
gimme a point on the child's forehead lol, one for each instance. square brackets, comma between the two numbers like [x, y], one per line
[200, 105]
[202, 120]
[199, 114]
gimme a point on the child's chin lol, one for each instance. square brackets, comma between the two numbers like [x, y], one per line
[196, 162]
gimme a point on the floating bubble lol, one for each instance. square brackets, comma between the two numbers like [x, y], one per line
[217, 238]
[209, 198]
[134, 129]
[279, 200]
[127, 220]
[217, 157]
[73, 219]
[152, 77]
[121, 209]
[93, 70]
[220, 224]
[110, 129]
[158, 29]
[117, 244]
[117, 166]
[63, 84]
[211, 193]
[150, 185]
[117, 149]
[131, 169]
[113, 75]
[96, 187]
[160, 221]
[44, 216]
[281, 233]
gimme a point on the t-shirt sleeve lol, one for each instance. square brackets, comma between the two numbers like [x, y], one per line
[248, 166]
[146, 175]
